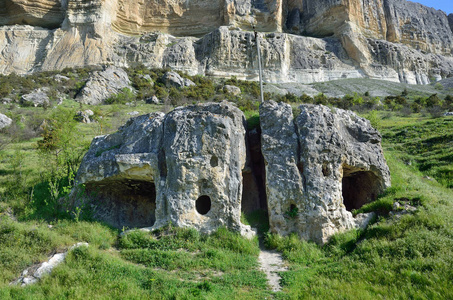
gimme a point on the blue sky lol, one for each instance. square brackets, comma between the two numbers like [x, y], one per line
[445, 5]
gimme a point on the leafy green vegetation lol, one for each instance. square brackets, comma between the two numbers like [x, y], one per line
[398, 256]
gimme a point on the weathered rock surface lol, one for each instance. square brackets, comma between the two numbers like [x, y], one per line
[319, 166]
[388, 39]
[184, 167]
[153, 100]
[175, 80]
[5, 121]
[84, 116]
[231, 89]
[35, 273]
[192, 167]
[102, 85]
[37, 98]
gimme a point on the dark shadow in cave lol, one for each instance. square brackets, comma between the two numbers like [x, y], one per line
[254, 188]
[359, 187]
[124, 203]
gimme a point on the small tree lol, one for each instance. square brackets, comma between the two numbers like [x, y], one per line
[61, 150]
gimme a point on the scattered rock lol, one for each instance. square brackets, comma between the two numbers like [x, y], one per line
[362, 220]
[231, 89]
[147, 78]
[103, 84]
[400, 209]
[153, 100]
[174, 79]
[5, 121]
[37, 98]
[133, 113]
[35, 273]
[448, 114]
[60, 78]
[84, 116]
[7, 100]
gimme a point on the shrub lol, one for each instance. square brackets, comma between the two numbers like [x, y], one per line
[433, 100]
[123, 97]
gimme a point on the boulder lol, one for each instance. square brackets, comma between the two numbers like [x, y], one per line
[153, 100]
[232, 90]
[183, 168]
[320, 165]
[5, 121]
[84, 116]
[103, 84]
[175, 80]
[61, 78]
[37, 98]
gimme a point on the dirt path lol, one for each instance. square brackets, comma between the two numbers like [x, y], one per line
[271, 262]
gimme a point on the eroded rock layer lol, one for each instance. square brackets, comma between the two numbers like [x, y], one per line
[214, 38]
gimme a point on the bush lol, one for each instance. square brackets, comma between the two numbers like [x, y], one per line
[123, 97]
[433, 100]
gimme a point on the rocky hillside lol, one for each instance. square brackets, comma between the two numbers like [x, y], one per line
[302, 41]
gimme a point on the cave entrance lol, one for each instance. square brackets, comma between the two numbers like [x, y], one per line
[254, 176]
[358, 187]
[124, 203]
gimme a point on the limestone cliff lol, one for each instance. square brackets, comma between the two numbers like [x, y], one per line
[388, 39]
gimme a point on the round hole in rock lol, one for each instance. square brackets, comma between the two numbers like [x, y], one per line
[359, 187]
[214, 161]
[203, 204]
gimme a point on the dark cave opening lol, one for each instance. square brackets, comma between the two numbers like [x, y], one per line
[124, 203]
[203, 204]
[254, 177]
[359, 187]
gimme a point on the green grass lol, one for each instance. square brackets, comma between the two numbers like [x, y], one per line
[394, 258]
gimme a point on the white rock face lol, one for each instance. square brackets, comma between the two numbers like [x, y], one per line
[189, 168]
[175, 80]
[5, 121]
[103, 85]
[45, 268]
[393, 40]
[37, 98]
[184, 168]
[231, 89]
[319, 166]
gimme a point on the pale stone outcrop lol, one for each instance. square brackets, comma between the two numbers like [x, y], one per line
[319, 166]
[103, 84]
[175, 80]
[84, 116]
[194, 166]
[232, 89]
[35, 273]
[184, 168]
[37, 98]
[5, 121]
